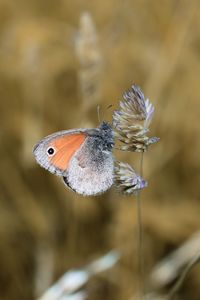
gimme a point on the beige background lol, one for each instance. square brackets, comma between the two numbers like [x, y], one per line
[44, 228]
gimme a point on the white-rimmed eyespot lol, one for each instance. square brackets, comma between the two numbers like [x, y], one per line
[51, 151]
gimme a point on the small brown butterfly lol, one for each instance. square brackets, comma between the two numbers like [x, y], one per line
[82, 157]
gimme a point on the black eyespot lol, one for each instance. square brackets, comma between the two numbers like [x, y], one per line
[50, 151]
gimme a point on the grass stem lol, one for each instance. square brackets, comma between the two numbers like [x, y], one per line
[140, 237]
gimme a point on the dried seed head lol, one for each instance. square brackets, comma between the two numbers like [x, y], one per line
[126, 179]
[132, 120]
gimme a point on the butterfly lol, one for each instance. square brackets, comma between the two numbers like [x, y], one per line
[82, 157]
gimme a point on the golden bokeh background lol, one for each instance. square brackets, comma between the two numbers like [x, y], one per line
[58, 61]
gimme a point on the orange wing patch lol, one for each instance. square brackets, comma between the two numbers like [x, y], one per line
[65, 147]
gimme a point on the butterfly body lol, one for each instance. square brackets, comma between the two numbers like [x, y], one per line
[83, 157]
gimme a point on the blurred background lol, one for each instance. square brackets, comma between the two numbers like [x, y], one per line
[58, 61]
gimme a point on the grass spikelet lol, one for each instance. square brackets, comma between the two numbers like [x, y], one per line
[132, 120]
[127, 180]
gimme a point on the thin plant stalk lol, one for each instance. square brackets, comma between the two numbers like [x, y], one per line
[140, 236]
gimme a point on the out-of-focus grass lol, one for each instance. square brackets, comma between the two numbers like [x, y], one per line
[156, 45]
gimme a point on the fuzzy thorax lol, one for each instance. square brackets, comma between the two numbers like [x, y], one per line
[102, 137]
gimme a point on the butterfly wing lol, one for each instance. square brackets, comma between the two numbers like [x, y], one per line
[90, 170]
[55, 151]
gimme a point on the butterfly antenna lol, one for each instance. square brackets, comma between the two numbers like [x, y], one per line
[98, 111]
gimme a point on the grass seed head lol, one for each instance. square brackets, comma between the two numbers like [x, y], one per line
[131, 122]
[127, 180]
